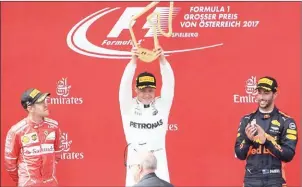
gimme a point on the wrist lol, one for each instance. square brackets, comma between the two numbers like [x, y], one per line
[260, 139]
[133, 61]
[263, 139]
[162, 59]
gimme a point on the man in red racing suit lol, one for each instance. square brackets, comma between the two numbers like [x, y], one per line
[32, 146]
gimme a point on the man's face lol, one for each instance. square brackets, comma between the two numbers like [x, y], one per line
[265, 98]
[136, 172]
[39, 109]
[145, 95]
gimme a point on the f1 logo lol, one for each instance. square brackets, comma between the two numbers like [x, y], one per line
[124, 20]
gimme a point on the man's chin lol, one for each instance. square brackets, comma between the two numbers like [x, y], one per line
[146, 102]
[264, 106]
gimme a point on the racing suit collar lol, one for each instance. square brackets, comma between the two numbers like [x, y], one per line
[33, 123]
[267, 115]
[141, 105]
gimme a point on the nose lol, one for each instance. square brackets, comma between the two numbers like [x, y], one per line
[260, 96]
[146, 94]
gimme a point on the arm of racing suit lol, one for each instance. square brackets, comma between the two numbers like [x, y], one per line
[285, 151]
[125, 90]
[12, 151]
[168, 83]
[242, 143]
[58, 145]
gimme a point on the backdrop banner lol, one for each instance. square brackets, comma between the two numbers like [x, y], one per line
[77, 51]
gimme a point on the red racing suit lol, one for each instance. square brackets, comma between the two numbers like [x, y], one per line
[32, 151]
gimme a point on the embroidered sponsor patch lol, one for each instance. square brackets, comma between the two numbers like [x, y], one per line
[275, 122]
[290, 131]
[291, 137]
[38, 150]
[29, 138]
[292, 126]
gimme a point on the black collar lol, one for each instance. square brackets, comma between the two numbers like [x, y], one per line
[267, 115]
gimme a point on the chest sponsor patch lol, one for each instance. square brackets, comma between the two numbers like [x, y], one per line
[51, 136]
[276, 122]
[274, 129]
[38, 150]
[29, 138]
[146, 125]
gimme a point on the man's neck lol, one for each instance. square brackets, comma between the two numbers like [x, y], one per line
[267, 110]
[35, 119]
[142, 104]
[146, 173]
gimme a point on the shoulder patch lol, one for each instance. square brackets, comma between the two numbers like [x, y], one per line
[292, 126]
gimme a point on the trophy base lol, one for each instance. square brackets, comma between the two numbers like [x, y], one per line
[147, 55]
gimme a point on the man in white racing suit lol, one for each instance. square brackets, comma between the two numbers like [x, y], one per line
[145, 117]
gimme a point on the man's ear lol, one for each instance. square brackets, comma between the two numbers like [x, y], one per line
[275, 95]
[136, 90]
[140, 168]
[30, 108]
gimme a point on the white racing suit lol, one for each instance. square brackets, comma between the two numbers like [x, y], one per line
[147, 126]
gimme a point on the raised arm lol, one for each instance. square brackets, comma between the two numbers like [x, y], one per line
[168, 81]
[125, 90]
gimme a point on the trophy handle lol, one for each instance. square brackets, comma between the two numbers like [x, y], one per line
[154, 28]
[169, 33]
[148, 7]
[134, 41]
